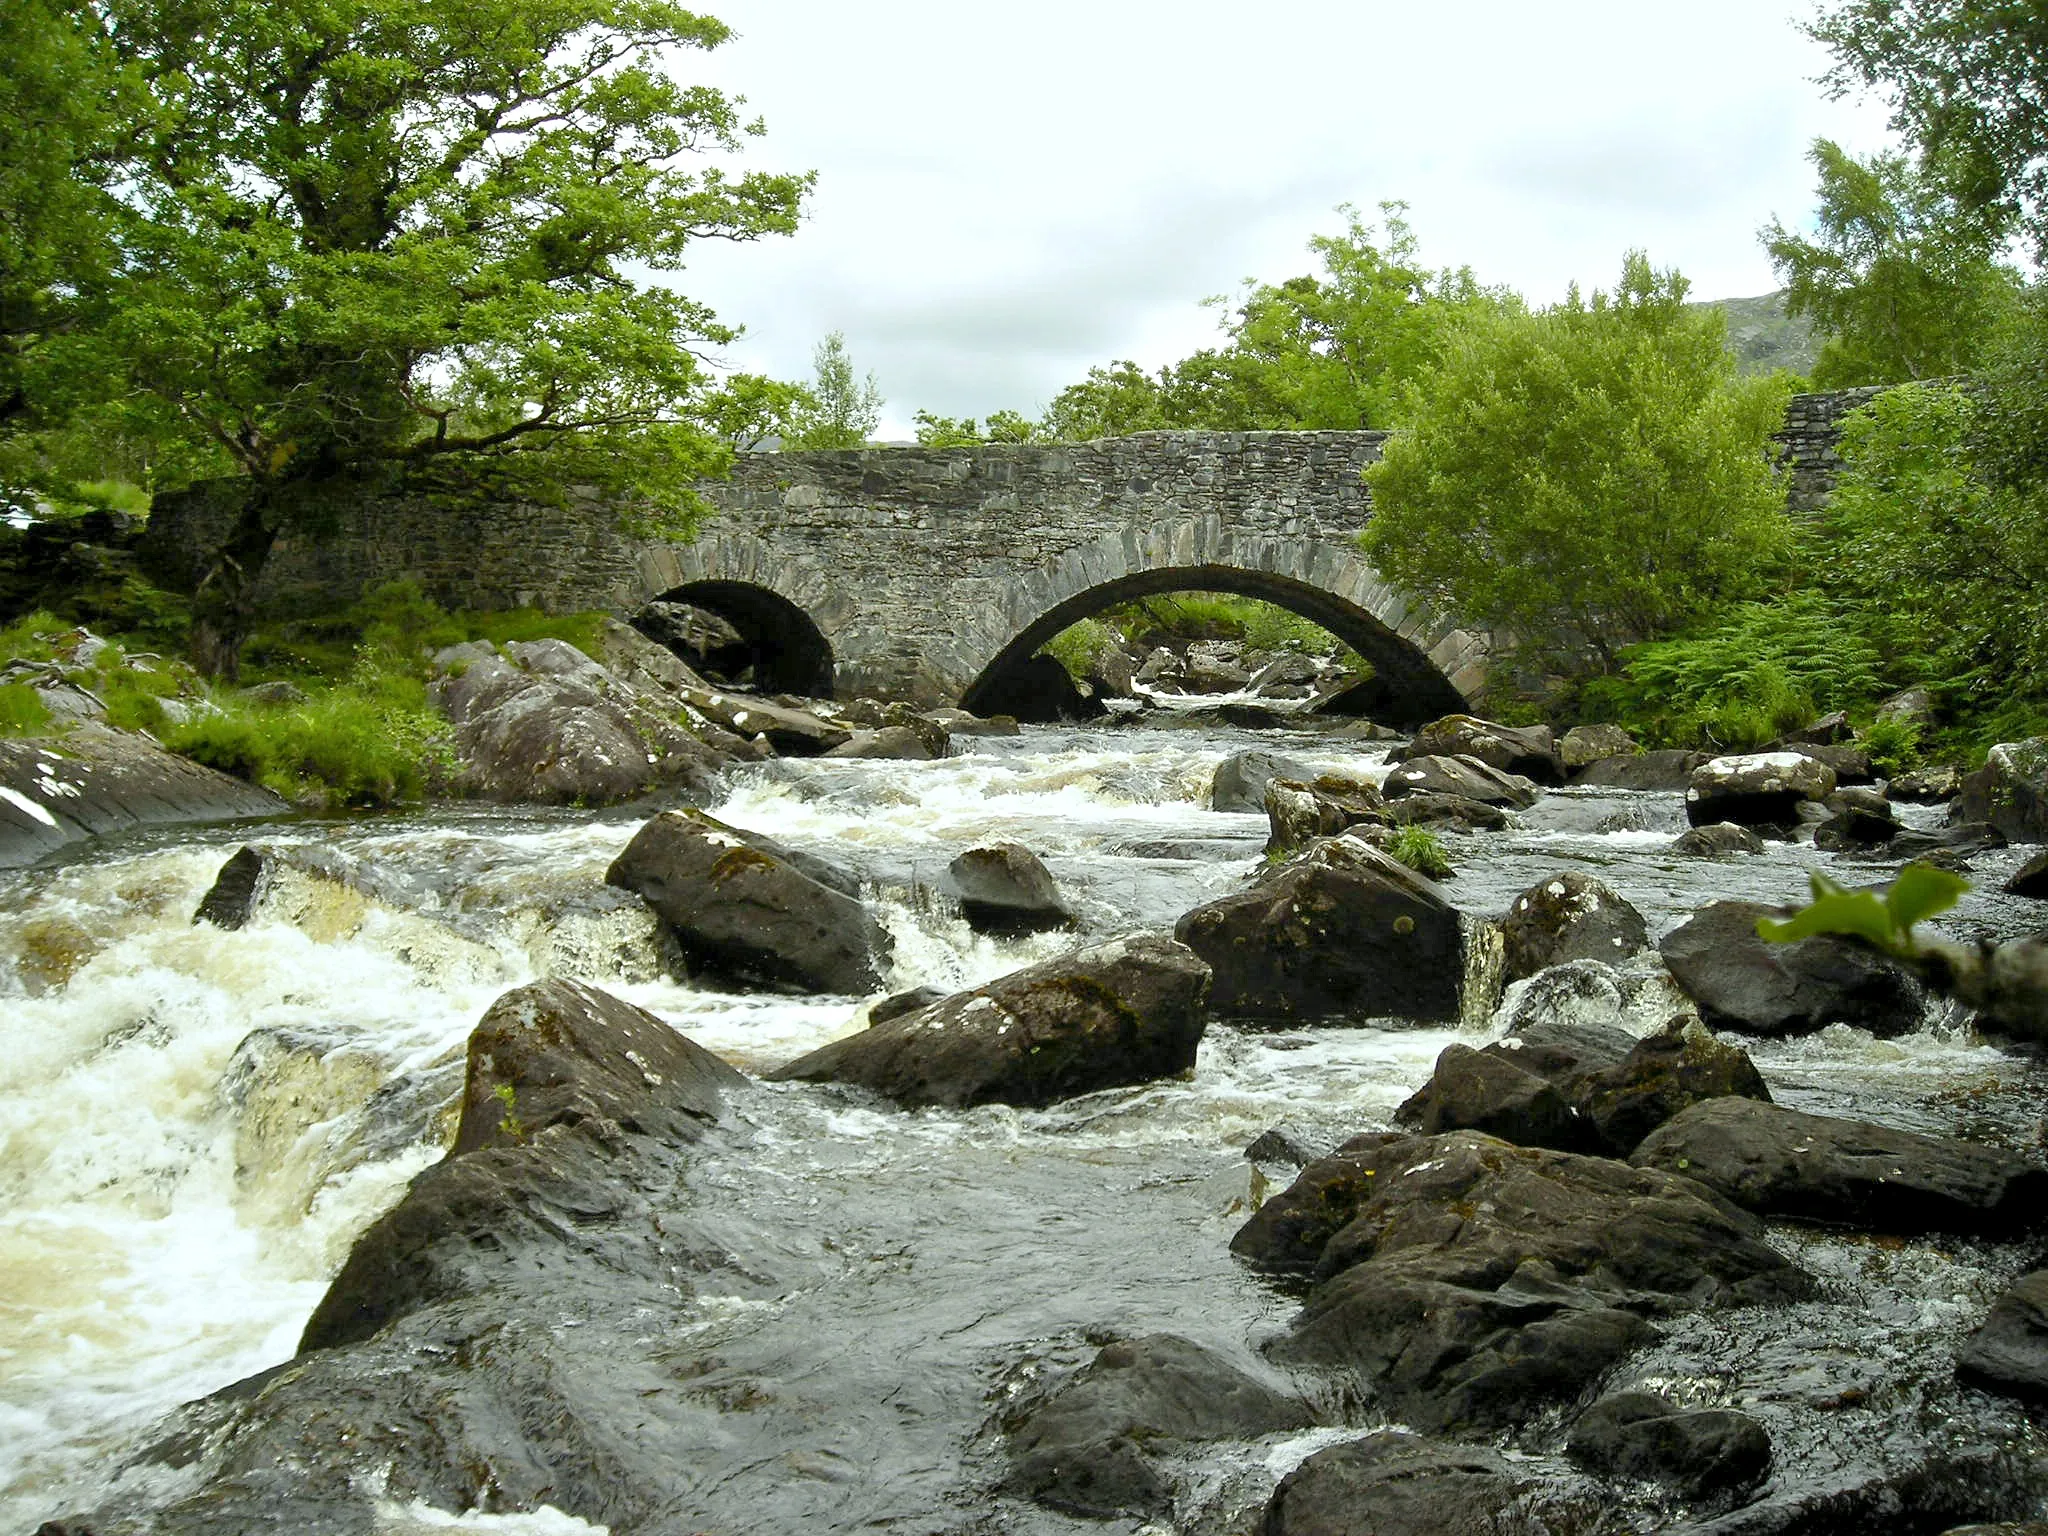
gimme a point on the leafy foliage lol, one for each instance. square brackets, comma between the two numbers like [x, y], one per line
[1918, 892]
[1905, 285]
[1751, 674]
[838, 410]
[1422, 851]
[1335, 350]
[1584, 478]
[1968, 83]
[360, 239]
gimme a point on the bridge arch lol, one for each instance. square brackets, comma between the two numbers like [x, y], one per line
[1427, 667]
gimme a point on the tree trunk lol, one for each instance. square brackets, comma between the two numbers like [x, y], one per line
[224, 607]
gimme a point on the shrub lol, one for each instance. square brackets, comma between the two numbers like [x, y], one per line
[21, 711]
[1422, 851]
[1080, 647]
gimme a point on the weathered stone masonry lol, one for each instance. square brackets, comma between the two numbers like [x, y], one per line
[922, 566]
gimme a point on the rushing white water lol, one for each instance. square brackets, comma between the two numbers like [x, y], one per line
[195, 1124]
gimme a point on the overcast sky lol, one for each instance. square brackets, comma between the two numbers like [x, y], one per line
[1010, 194]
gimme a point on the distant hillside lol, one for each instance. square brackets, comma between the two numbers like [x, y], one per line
[1763, 337]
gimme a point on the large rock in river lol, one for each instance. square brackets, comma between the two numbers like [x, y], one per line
[556, 1069]
[1783, 1162]
[1758, 789]
[96, 781]
[1472, 1283]
[2010, 1352]
[1088, 1445]
[1528, 750]
[545, 723]
[1345, 932]
[1745, 982]
[1467, 778]
[1570, 916]
[743, 907]
[1395, 1484]
[1127, 1011]
[1005, 888]
[2010, 791]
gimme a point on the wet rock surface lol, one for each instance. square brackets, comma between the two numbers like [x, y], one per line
[1760, 789]
[1529, 751]
[1005, 888]
[1395, 1484]
[1783, 1162]
[2009, 1353]
[1241, 778]
[1344, 931]
[1465, 778]
[1743, 982]
[1469, 1282]
[1127, 1011]
[94, 782]
[1704, 1454]
[2010, 791]
[740, 905]
[1089, 1445]
[1570, 916]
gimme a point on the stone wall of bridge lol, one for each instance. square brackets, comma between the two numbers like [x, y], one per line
[922, 567]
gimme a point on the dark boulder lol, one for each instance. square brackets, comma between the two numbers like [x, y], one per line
[2010, 791]
[1494, 1093]
[1038, 691]
[559, 1074]
[1786, 1163]
[744, 908]
[1664, 769]
[1705, 1454]
[1395, 1484]
[896, 1004]
[1241, 779]
[1280, 1145]
[1574, 1090]
[2030, 879]
[1758, 789]
[1744, 982]
[891, 743]
[1453, 811]
[1127, 1011]
[1926, 786]
[1717, 840]
[1472, 1283]
[95, 781]
[1087, 1446]
[1665, 1074]
[1527, 750]
[549, 725]
[790, 731]
[1570, 916]
[1005, 888]
[1467, 778]
[246, 879]
[1584, 745]
[1344, 931]
[2009, 1353]
[1298, 813]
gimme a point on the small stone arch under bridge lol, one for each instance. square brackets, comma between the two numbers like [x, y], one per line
[922, 573]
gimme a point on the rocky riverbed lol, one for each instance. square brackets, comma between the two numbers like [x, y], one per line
[1255, 1184]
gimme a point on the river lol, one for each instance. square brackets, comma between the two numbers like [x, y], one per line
[194, 1125]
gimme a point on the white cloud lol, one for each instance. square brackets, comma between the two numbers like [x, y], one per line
[1006, 197]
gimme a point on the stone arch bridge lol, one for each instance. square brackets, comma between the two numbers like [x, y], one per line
[925, 572]
[920, 573]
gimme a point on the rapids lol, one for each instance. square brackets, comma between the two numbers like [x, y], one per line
[194, 1125]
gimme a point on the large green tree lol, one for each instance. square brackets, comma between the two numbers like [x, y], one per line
[1903, 283]
[367, 240]
[1967, 81]
[839, 409]
[1585, 477]
[1336, 350]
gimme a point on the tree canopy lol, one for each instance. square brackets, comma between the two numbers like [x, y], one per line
[1330, 351]
[838, 410]
[371, 238]
[1584, 477]
[1968, 83]
[1905, 284]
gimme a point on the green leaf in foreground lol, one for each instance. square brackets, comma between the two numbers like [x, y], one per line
[1919, 891]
